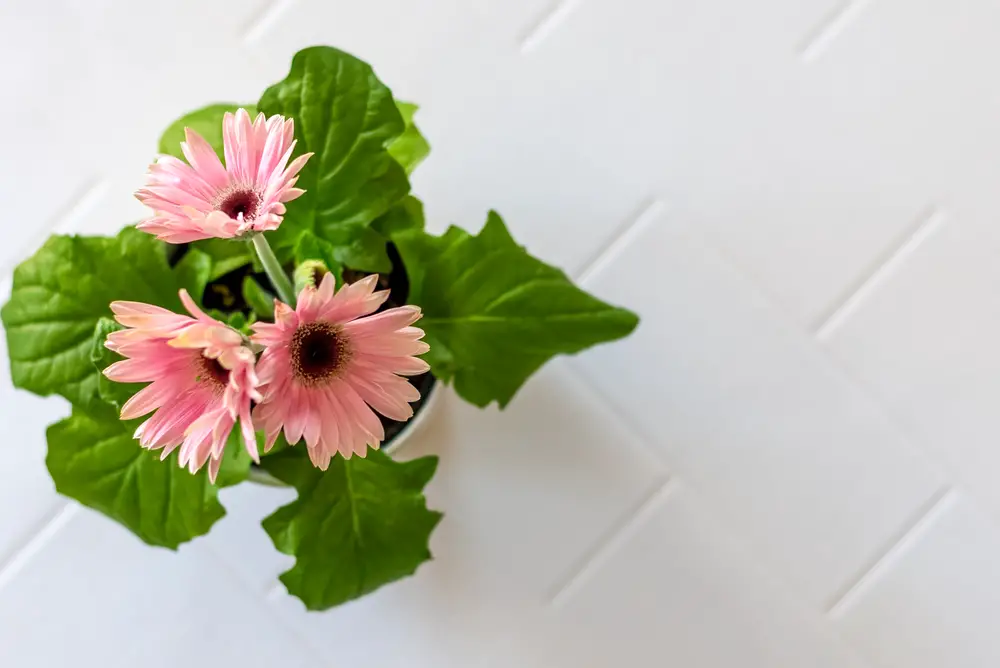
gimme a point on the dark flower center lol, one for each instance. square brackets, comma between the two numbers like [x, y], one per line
[318, 352]
[213, 372]
[243, 201]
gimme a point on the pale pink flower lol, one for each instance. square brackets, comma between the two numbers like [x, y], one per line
[203, 199]
[325, 367]
[202, 375]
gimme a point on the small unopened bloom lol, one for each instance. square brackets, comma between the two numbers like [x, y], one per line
[201, 376]
[328, 363]
[205, 199]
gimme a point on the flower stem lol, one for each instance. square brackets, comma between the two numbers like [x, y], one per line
[274, 271]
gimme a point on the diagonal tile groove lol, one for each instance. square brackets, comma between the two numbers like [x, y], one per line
[547, 24]
[260, 24]
[266, 601]
[55, 521]
[79, 205]
[608, 544]
[824, 34]
[647, 212]
[85, 202]
[883, 267]
[910, 532]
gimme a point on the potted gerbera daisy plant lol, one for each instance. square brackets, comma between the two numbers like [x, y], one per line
[277, 317]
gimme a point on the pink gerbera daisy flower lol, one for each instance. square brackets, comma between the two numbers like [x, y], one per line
[325, 366]
[202, 375]
[203, 199]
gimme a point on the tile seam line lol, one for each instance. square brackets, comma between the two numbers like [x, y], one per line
[260, 23]
[239, 575]
[819, 39]
[910, 532]
[607, 544]
[884, 266]
[640, 218]
[269, 600]
[238, 579]
[545, 24]
[81, 202]
[45, 531]
[621, 420]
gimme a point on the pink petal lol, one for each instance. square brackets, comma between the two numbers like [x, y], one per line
[204, 160]
[147, 399]
[380, 400]
[386, 322]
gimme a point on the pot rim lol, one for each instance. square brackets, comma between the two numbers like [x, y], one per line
[413, 424]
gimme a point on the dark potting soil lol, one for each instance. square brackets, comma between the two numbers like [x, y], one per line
[226, 294]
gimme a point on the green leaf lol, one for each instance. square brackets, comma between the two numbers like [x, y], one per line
[236, 461]
[406, 215]
[93, 458]
[206, 121]
[61, 292]
[194, 272]
[355, 527]
[259, 299]
[111, 392]
[346, 117]
[311, 247]
[494, 314]
[365, 253]
[227, 255]
[410, 148]
[420, 250]
[237, 321]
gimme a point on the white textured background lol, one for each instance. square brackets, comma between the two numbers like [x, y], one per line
[792, 463]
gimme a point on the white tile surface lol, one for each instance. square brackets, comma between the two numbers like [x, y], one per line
[95, 596]
[676, 591]
[28, 498]
[935, 601]
[556, 457]
[708, 104]
[745, 405]
[795, 147]
[912, 342]
[240, 540]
